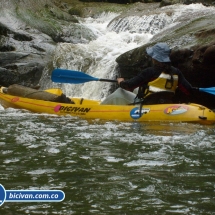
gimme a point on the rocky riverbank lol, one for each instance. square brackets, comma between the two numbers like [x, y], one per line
[29, 32]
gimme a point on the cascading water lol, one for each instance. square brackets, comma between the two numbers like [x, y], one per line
[114, 36]
[97, 57]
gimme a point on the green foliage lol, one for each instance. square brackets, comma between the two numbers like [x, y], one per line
[75, 11]
[95, 8]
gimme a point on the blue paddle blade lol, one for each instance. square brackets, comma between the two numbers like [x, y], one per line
[210, 90]
[71, 76]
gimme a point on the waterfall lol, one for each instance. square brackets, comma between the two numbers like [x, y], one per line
[114, 36]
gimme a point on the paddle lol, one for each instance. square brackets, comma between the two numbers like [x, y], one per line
[77, 77]
[74, 77]
[210, 90]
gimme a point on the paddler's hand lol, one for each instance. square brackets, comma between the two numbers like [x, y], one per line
[120, 80]
[195, 91]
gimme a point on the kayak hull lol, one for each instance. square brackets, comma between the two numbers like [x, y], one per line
[91, 109]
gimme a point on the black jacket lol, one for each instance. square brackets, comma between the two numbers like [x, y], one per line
[151, 74]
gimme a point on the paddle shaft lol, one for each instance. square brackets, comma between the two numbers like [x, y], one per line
[210, 90]
[84, 78]
[107, 80]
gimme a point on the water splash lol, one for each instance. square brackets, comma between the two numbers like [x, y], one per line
[96, 58]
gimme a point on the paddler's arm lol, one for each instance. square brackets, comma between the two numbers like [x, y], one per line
[144, 77]
[123, 84]
[129, 85]
[183, 84]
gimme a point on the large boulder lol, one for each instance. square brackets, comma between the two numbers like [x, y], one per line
[27, 74]
[29, 32]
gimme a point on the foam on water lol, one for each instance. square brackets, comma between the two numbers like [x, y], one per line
[99, 24]
[113, 159]
[41, 171]
[145, 163]
[7, 161]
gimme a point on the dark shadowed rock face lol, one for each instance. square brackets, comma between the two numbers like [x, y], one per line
[24, 51]
[198, 66]
[22, 57]
[29, 32]
[11, 75]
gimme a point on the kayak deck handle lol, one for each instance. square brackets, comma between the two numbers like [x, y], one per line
[203, 117]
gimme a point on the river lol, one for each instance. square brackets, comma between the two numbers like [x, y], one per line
[106, 167]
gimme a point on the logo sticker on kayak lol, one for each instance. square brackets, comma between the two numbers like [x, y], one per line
[176, 109]
[15, 99]
[135, 112]
[71, 109]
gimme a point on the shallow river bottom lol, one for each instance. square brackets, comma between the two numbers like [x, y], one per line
[107, 167]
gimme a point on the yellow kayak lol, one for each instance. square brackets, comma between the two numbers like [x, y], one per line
[91, 109]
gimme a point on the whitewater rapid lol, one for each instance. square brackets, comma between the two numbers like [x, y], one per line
[115, 36]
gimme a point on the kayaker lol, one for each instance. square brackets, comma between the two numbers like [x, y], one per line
[161, 79]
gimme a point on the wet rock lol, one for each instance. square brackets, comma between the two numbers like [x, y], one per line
[198, 66]
[24, 74]
[204, 66]
[170, 2]
[29, 33]
[8, 77]
[209, 56]
[77, 33]
[11, 57]
[133, 62]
